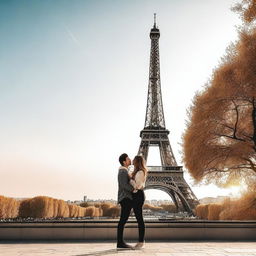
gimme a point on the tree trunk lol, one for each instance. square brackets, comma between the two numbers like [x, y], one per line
[254, 121]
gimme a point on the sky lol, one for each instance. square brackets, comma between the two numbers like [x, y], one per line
[73, 88]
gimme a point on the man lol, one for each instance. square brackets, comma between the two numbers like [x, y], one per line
[125, 190]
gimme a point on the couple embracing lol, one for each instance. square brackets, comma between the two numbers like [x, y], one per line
[131, 195]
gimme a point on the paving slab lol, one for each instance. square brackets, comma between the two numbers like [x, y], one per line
[109, 248]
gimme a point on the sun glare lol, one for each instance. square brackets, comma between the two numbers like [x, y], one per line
[234, 191]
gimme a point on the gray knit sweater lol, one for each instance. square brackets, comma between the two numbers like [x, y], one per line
[124, 187]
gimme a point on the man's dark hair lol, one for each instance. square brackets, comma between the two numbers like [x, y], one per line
[122, 158]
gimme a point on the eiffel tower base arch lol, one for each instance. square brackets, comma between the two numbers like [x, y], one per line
[173, 183]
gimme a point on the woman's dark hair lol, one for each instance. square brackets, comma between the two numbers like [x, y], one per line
[122, 158]
[139, 165]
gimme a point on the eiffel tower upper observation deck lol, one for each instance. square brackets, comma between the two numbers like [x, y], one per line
[169, 176]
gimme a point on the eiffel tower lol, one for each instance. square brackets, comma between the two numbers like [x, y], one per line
[169, 176]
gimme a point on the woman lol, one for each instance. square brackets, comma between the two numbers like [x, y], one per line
[138, 179]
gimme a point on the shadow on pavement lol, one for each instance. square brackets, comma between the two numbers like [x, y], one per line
[104, 252]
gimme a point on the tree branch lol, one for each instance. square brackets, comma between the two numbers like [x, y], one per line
[228, 136]
[237, 117]
[227, 126]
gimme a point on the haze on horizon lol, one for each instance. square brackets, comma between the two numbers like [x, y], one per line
[73, 87]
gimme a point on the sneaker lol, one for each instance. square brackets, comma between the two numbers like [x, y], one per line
[139, 245]
[124, 246]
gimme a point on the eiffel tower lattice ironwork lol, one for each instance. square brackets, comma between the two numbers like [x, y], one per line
[169, 176]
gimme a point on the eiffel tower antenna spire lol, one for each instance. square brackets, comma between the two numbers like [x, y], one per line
[154, 20]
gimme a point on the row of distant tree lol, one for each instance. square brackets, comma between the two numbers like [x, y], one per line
[49, 208]
[43, 207]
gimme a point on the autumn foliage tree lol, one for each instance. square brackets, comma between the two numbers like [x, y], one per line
[220, 140]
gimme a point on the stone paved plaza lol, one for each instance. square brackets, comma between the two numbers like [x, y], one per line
[108, 248]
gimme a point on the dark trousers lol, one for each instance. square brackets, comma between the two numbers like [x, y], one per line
[126, 206]
[138, 201]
